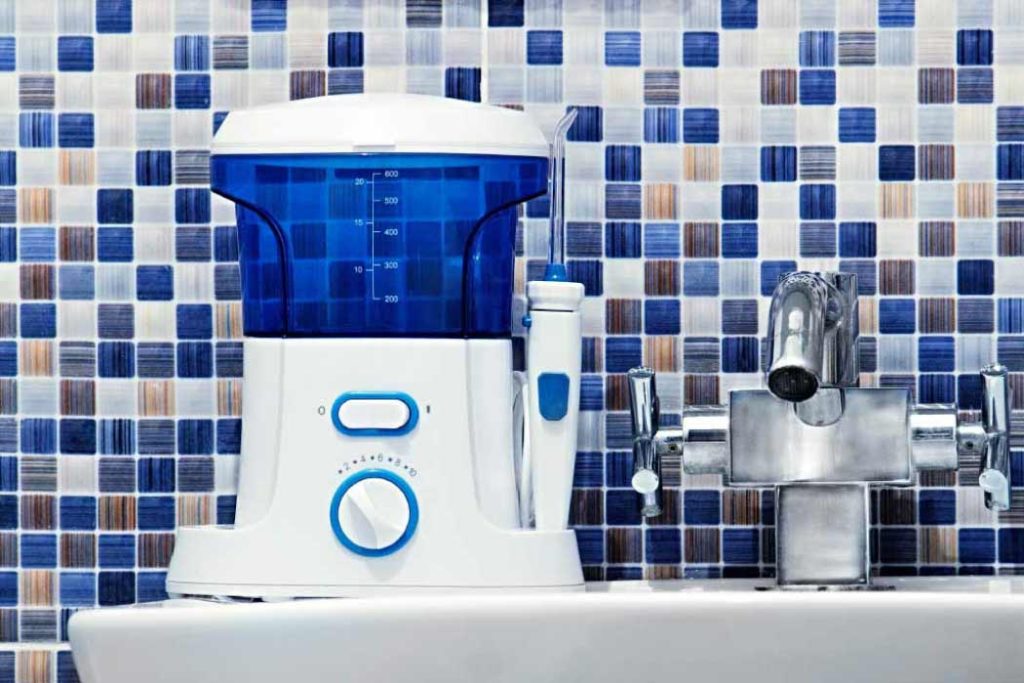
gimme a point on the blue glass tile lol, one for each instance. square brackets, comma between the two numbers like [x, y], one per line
[117, 588]
[618, 470]
[739, 240]
[588, 470]
[936, 388]
[8, 206]
[8, 358]
[38, 436]
[866, 272]
[857, 124]
[588, 126]
[975, 276]
[505, 12]
[1011, 545]
[38, 321]
[229, 359]
[192, 53]
[588, 273]
[8, 589]
[740, 546]
[195, 437]
[116, 321]
[192, 91]
[154, 283]
[623, 201]
[817, 48]
[116, 359]
[343, 82]
[153, 167]
[115, 245]
[117, 436]
[192, 244]
[857, 239]
[622, 48]
[622, 353]
[66, 672]
[35, 129]
[591, 392]
[37, 244]
[700, 278]
[590, 542]
[74, 53]
[622, 163]
[897, 545]
[156, 437]
[116, 551]
[739, 13]
[1011, 316]
[1010, 162]
[740, 354]
[156, 513]
[1010, 124]
[8, 512]
[229, 434]
[9, 463]
[772, 272]
[663, 546]
[661, 240]
[269, 15]
[778, 164]
[38, 551]
[818, 240]
[739, 202]
[974, 86]
[622, 239]
[156, 475]
[661, 316]
[462, 83]
[152, 585]
[817, 202]
[622, 507]
[701, 507]
[77, 589]
[936, 506]
[77, 283]
[77, 436]
[116, 475]
[225, 510]
[976, 316]
[1010, 352]
[739, 316]
[8, 53]
[345, 49]
[195, 321]
[8, 245]
[225, 243]
[817, 86]
[115, 206]
[936, 354]
[896, 316]
[661, 124]
[974, 47]
[896, 13]
[700, 125]
[195, 359]
[156, 360]
[8, 168]
[543, 47]
[113, 16]
[700, 49]
[977, 546]
[77, 513]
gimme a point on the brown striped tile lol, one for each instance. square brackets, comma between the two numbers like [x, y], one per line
[228, 317]
[662, 572]
[662, 353]
[947, 478]
[671, 504]
[37, 281]
[77, 397]
[896, 506]
[623, 545]
[622, 316]
[117, 513]
[34, 666]
[936, 162]
[700, 240]
[936, 315]
[660, 201]
[304, 84]
[741, 506]
[8, 396]
[937, 545]
[616, 392]
[152, 91]
[661, 278]
[1011, 238]
[8, 550]
[37, 512]
[36, 358]
[76, 167]
[35, 205]
[868, 315]
[701, 164]
[975, 200]
[36, 588]
[9, 628]
[586, 507]
[701, 390]
[936, 238]
[229, 397]
[77, 243]
[935, 86]
[78, 551]
[195, 510]
[156, 398]
[778, 86]
[896, 200]
[154, 550]
[896, 276]
[701, 545]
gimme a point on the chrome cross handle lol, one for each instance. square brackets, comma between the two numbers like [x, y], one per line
[990, 438]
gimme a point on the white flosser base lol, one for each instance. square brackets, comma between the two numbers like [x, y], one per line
[458, 461]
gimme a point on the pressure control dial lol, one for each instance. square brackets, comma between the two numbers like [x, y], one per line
[374, 513]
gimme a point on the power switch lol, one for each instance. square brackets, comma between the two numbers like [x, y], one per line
[364, 414]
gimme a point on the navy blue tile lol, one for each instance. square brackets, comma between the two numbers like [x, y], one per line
[269, 15]
[116, 359]
[1010, 162]
[1011, 545]
[897, 545]
[115, 206]
[77, 589]
[115, 245]
[622, 163]
[739, 317]
[896, 162]
[153, 167]
[230, 359]
[590, 543]
[739, 202]
[113, 16]
[77, 436]
[700, 49]
[974, 47]
[588, 273]
[739, 240]
[975, 86]
[505, 12]
[702, 507]
[739, 14]
[817, 48]
[117, 588]
[662, 316]
[588, 126]
[977, 546]
[192, 53]
[896, 13]
[817, 86]
[817, 202]
[622, 353]
[818, 240]
[936, 354]
[1010, 124]
[116, 321]
[857, 239]
[623, 201]
[661, 240]
[663, 546]
[35, 129]
[857, 124]
[195, 321]
[700, 125]
[544, 47]
[976, 316]
[622, 239]
[8, 169]
[38, 321]
[116, 436]
[936, 506]
[229, 433]
[771, 272]
[192, 91]
[38, 551]
[661, 124]
[116, 551]
[896, 316]
[9, 591]
[156, 513]
[154, 283]
[1010, 352]
[462, 83]
[8, 358]
[622, 48]
[225, 510]
[740, 354]
[195, 359]
[622, 507]
[156, 475]
[8, 245]
[740, 546]
[192, 205]
[8, 53]
[778, 164]
[38, 436]
[975, 276]
[195, 437]
[77, 513]
[151, 585]
[345, 49]
[74, 53]
[8, 512]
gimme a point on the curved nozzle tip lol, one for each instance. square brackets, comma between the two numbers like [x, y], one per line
[792, 383]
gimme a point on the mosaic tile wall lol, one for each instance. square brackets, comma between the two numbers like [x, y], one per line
[719, 144]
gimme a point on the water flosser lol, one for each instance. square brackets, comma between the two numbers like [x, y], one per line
[553, 361]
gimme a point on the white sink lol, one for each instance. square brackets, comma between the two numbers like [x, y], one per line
[957, 629]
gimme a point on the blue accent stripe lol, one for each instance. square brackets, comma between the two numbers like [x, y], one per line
[410, 498]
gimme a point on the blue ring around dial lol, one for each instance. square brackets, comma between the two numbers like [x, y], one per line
[410, 498]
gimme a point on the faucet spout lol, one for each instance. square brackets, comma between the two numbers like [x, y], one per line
[812, 334]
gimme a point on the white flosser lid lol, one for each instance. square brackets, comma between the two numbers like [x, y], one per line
[379, 123]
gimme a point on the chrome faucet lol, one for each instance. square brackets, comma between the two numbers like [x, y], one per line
[818, 438]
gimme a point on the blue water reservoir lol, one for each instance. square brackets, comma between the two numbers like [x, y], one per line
[377, 244]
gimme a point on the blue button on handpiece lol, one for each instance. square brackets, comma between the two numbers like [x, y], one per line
[553, 394]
